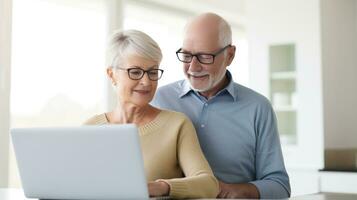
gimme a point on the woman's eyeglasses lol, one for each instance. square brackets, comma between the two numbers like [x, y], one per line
[136, 73]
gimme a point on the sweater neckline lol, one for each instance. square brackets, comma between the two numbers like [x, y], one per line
[148, 127]
[153, 124]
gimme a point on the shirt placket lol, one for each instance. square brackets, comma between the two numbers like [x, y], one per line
[204, 115]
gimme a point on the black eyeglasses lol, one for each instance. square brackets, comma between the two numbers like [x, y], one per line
[136, 73]
[204, 58]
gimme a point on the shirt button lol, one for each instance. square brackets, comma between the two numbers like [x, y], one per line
[202, 125]
[206, 104]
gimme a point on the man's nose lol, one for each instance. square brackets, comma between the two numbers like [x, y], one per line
[195, 65]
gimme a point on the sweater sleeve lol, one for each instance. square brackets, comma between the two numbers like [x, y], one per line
[199, 181]
[96, 120]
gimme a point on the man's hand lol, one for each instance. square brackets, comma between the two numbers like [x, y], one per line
[158, 188]
[240, 190]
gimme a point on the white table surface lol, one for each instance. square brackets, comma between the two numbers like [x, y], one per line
[17, 194]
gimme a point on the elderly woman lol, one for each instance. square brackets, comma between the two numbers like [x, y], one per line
[174, 163]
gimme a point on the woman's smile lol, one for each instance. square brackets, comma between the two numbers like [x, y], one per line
[142, 92]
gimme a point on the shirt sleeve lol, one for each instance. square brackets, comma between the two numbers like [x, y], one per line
[272, 179]
[199, 181]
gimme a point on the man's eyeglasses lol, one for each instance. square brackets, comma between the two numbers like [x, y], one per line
[204, 58]
[136, 73]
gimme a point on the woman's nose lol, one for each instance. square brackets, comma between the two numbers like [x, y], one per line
[145, 80]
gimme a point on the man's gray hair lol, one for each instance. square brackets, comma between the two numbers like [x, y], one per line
[132, 42]
[225, 33]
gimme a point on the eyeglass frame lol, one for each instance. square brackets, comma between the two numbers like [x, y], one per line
[199, 54]
[144, 71]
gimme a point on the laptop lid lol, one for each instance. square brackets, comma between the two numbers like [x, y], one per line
[88, 162]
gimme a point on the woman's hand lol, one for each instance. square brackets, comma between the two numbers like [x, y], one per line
[158, 188]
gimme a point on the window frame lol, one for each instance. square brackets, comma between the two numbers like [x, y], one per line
[5, 62]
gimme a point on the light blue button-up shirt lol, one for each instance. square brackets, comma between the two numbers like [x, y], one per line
[238, 134]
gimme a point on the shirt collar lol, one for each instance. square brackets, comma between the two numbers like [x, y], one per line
[230, 86]
[186, 88]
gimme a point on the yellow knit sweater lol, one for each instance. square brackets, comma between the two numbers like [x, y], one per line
[172, 153]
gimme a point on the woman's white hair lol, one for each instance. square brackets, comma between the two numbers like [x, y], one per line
[132, 42]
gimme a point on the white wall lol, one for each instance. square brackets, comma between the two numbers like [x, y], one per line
[291, 21]
[232, 10]
[283, 22]
[5, 41]
[339, 61]
[325, 34]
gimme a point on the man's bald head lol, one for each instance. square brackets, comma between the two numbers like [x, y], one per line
[212, 26]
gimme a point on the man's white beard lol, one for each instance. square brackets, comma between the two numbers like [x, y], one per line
[210, 85]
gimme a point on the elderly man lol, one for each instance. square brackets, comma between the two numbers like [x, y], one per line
[236, 126]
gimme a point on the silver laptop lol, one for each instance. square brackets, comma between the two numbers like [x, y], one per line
[89, 162]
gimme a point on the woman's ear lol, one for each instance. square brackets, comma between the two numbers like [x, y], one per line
[110, 74]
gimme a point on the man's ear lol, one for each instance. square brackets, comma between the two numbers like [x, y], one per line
[231, 51]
